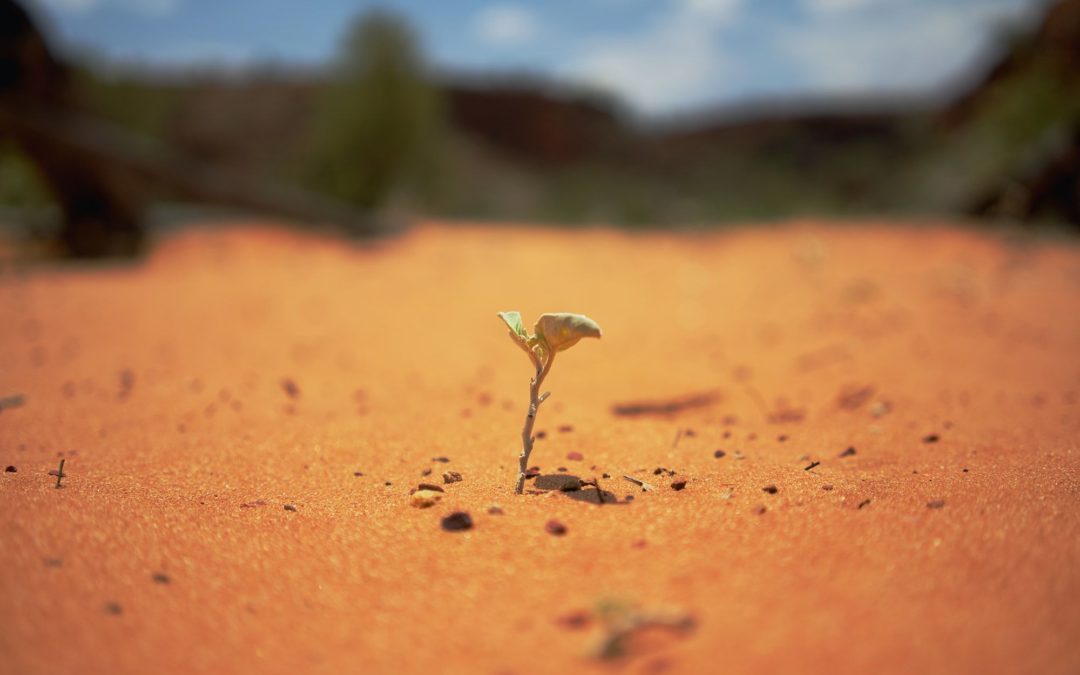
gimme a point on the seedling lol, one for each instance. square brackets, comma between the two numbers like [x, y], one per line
[60, 475]
[553, 333]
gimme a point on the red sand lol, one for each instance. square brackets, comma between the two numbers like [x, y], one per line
[398, 357]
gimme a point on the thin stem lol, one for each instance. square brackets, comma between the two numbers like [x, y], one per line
[535, 399]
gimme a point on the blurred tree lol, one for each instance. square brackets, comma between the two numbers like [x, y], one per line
[378, 123]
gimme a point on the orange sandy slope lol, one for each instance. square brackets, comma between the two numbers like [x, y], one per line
[397, 357]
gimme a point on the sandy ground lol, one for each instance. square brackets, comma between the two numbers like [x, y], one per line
[196, 394]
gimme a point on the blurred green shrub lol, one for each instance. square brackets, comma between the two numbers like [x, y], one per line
[20, 184]
[378, 123]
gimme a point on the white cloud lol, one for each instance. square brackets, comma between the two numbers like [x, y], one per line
[834, 6]
[904, 47]
[146, 7]
[505, 25]
[674, 60]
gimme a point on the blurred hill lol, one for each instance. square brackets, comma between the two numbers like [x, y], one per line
[521, 148]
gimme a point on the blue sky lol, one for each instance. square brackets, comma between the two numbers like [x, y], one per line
[662, 56]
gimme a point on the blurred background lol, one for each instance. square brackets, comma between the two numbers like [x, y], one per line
[122, 118]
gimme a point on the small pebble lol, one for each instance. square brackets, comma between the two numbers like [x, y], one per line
[565, 428]
[880, 409]
[865, 502]
[457, 521]
[575, 456]
[495, 510]
[827, 487]
[608, 475]
[562, 469]
[113, 608]
[555, 527]
[678, 485]
[443, 460]
[932, 438]
[10, 469]
[422, 499]
[540, 435]
[758, 510]
[575, 620]
[358, 473]
[290, 507]
[430, 486]
[771, 489]
[451, 477]
[848, 453]
[160, 578]
[719, 453]
[291, 390]
[936, 504]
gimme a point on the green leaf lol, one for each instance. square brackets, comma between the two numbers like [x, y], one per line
[514, 323]
[561, 331]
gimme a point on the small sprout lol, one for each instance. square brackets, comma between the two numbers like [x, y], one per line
[553, 333]
[59, 473]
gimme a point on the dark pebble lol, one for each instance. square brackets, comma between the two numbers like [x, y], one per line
[160, 578]
[290, 507]
[936, 504]
[565, 429]
[540, 435]
[865, 502]
[10, 469]
[719, 453]
[771, 489]
[555, 527]
[532, 472]
[629, 498]
[781, 438]
[361, 473]
[827, 487]
[430, 486]
[290, 388]
[113, 608]
[426, 472]
[758, 510]
[457, 522]
[575, 620]
[444, 460]
[848, 453]
[932, 438]
[678, 485]
[811, 466]
[562, 469]
[608, 475]
[451, 477]
[575, 456]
